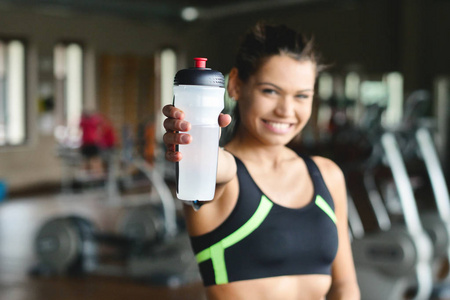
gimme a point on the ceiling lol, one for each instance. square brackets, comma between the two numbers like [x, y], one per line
[156, 9]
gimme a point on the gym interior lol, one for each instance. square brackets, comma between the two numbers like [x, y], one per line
[112, 227]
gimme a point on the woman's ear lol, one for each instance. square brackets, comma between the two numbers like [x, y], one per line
[234, 84]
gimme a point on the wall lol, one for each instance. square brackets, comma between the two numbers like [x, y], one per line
[376, 36]
[360, 32]
[36, 162]
[410, 36]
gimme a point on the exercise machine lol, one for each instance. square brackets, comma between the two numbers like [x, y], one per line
[382, 249]
[149, 243]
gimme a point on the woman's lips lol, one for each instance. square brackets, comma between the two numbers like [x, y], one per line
[278, 127]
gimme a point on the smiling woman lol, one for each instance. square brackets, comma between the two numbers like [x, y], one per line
[278, 98]
[277, 226]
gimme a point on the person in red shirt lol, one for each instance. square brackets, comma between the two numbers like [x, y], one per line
[90, 125]
[107, 141]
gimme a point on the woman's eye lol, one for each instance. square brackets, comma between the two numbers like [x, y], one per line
[270, 92]
[302, 96]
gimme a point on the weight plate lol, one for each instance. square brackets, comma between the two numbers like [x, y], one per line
[58, 244]
[142, 224]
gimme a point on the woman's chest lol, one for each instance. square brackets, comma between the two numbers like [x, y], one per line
[292, 188]
[290, 241]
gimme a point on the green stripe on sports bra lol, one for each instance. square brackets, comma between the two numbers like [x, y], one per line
[323, 205]
[217, 251]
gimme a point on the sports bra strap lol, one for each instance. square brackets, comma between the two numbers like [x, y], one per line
[316, 176]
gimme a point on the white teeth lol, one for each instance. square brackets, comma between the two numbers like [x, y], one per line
[280, 126]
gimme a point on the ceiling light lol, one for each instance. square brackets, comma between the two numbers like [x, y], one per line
[189, 14]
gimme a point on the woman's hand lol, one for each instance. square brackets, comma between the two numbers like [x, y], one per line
[173, 124]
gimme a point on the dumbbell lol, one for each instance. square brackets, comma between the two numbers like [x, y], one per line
[71, 244]
[66, 245]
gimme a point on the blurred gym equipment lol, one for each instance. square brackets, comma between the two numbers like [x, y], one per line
[385, 146]
[149, 243]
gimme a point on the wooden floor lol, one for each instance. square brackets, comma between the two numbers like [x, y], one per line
[19, 221]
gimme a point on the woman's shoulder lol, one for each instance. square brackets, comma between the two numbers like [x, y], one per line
[331, 172]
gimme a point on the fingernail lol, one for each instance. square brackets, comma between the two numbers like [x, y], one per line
[185, 139]
[183, 126]
[177, 115]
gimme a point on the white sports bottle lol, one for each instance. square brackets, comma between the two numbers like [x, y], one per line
[199, 93]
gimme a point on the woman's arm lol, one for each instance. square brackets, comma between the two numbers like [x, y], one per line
[344, 282]
[209, 216]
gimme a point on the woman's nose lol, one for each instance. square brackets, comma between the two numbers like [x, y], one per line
[285, 107]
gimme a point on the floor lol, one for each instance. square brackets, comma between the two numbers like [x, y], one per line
[19, 222]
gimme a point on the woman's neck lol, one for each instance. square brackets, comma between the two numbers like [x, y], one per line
[250, 149]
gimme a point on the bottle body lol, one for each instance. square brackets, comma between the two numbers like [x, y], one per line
[197, 170]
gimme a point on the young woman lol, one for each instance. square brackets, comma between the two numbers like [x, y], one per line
[277, 226]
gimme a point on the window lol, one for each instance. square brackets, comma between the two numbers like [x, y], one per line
[168, 59]
[68, 71]
[394, 110]
[325, 86]
[12, 92]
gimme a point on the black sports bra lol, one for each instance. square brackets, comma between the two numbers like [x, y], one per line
[261, 239]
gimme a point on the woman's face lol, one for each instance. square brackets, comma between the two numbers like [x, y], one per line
[275, 103]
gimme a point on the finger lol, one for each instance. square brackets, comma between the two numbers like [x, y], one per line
[173, 156]
[173, 138]
[224, 120]
[176, 125]
[171, 111]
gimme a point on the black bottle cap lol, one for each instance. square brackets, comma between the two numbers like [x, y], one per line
[199, 75]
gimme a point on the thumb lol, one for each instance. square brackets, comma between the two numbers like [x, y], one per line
[224, 120]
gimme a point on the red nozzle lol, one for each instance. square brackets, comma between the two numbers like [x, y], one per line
[200, 62]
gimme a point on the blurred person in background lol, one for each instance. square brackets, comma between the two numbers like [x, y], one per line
[91, 143]
[108, 141]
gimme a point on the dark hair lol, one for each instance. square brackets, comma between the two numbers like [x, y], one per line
[258, 45]
[265, 40]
